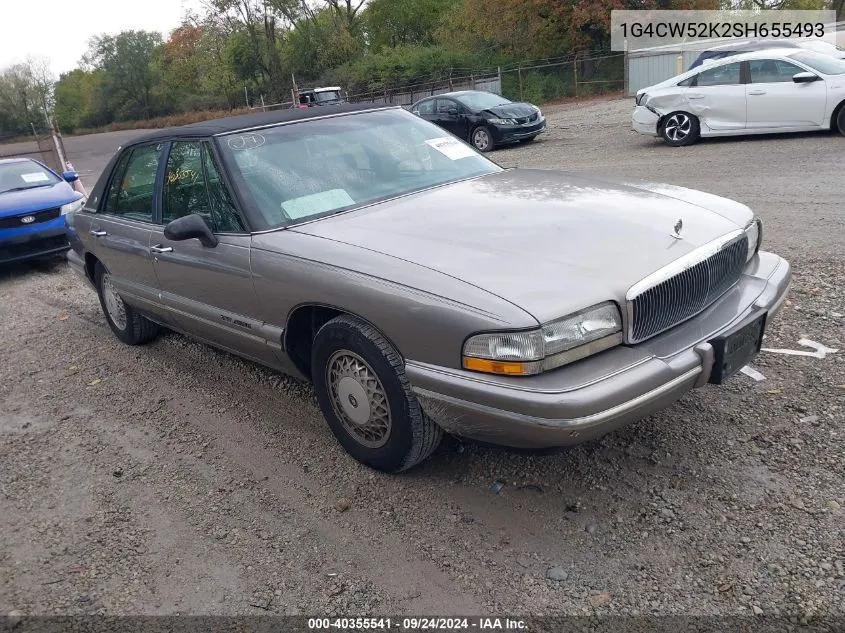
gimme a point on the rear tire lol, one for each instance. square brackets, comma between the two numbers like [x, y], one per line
[366, 398]
[680, 128]
[128, 326]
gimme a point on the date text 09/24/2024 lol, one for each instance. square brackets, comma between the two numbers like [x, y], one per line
[415, 624]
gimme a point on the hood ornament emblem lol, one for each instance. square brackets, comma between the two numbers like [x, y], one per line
[678, 226]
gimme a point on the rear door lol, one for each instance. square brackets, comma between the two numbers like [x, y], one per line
[775, 100]
[717, 97]
[425, 109]
[119, 233]
[208, 289]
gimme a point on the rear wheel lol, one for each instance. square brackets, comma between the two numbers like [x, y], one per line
[127, 325]
[680, 128]
[366, 398]
[481, 139]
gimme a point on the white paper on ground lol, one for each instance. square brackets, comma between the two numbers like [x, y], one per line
[753, 373]
[450, 147]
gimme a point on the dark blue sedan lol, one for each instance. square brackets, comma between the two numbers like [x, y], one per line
[33, 203]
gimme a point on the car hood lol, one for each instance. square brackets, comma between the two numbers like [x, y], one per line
[549, 242]
[36, 199]
[512, 110]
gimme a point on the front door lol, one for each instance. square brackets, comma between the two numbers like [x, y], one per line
[775, 100]
[718, 97]
[449, 116]
[119, 233]
[208, 289]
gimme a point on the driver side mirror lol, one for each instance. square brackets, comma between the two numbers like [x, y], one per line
[189, 227]
[70, 176]
[452, 111]
[803, 78]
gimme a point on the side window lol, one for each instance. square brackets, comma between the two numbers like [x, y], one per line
[687, 82]
[767, 71]
[192, 184]
[184, 185]
[225, 217]
[444, 105]
[727, 75]
[426, 107]
[131, 193]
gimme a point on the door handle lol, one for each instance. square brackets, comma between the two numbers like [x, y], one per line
[695, 96]
[756, 92]
[158, 248]
[98, 233]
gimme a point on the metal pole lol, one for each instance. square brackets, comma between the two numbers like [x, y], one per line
[575, 74]
[500, 79]
[519, 72]
[625, 67]
[263, 109]
[246, 97]
[60, 156]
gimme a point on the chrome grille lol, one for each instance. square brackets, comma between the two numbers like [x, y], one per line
[704, 276]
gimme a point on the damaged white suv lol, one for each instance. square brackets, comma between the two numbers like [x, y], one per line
[762, 92]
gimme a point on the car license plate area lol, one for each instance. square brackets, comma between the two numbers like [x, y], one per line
[733, 351]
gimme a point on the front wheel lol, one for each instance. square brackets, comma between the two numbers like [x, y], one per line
[680, 128]
[127, 325]
[840, 121]
[481, 139]
[366, 398]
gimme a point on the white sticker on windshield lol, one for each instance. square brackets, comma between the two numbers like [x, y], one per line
[317, 203]
[451, 147]
[38, 176]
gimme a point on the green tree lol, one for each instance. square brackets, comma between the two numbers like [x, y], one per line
[392, 23]
[130, 72]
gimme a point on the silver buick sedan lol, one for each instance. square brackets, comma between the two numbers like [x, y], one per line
[421, 287]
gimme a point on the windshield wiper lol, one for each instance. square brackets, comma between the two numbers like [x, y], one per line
[25, 188]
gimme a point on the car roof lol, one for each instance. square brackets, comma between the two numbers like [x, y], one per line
[457, 93]
[250, 121]
[753, 45]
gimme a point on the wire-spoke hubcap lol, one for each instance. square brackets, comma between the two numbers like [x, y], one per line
[678, 127]
[358, 398]
[481, 139]
[114, 304]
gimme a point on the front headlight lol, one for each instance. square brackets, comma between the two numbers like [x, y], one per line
[72, 207]
[502, 121]
[754, 234]
[552, 345]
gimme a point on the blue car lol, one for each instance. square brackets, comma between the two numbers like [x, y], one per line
[33, 203]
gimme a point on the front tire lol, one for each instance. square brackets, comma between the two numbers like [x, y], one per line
[840, 120]
[366, 398]
[680, 128]
[481, 139]
[128, 326]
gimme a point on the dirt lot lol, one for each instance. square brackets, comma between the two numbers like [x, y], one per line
[175, 479]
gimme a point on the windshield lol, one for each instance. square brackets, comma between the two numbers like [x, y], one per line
[25, 174]
[481, 100]
[326, 95]
[821, 62]
[313, 168]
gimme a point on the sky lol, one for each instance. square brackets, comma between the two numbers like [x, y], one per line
[60, 29]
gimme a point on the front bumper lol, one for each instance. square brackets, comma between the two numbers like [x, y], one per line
[597, 395]
[40, 240]
[512, 134]
[644, 121]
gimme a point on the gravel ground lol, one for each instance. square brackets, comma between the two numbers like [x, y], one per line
[175, 479]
